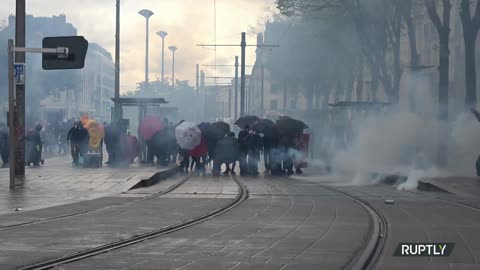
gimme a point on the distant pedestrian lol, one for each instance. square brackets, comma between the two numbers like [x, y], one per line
[74, 137]
[4, 146]
[243, 149]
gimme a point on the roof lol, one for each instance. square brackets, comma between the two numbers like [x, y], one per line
[141, 101]
[359, 104]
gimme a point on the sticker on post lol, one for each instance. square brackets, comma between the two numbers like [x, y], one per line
[19, 73]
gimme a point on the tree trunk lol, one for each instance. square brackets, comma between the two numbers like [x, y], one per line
[397, 71]
[406, 8]
[443, 68]
[285, 96]
[470, 30]
[470, 71]
[360, 81]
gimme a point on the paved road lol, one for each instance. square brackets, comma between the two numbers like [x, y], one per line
[58, 183]
[426, 217]
[283, 225]
[111, 219]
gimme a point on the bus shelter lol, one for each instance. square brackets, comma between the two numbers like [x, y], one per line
[143, 104]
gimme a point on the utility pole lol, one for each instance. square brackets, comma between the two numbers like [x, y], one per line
[262, 88]
[20, 93]
[204, 94]
[163, 34]
[117, 111]
[243, 45]
[197, 75]
[11, 115]
[236, 88]
[173, 49]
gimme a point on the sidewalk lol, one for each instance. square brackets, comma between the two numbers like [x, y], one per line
[58, 183]
[457, 185]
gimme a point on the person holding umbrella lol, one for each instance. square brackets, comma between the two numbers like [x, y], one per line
[242, 135]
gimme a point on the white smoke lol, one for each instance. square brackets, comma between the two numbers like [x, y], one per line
[397, 142]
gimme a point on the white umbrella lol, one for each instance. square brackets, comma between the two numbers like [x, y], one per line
[188, 135]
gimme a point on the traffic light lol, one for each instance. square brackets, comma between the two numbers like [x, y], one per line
[75, 59]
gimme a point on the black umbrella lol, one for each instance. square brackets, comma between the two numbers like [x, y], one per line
[204, 127]
[288, 125]
[266, 127]
[246, 120]
[218, 130]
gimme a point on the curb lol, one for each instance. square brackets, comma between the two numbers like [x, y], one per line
[424, 185]
[157, 177]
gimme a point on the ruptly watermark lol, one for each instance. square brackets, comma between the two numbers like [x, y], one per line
[424, 249]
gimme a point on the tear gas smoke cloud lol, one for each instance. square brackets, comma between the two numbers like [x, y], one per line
[398, 142]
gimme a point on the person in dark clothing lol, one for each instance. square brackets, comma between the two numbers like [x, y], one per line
[106, 140]
[62, 140]
[112, 141]
[226, 152]
[243, 150]
[184, 159]
[74, 136]
[254, 144]
[286, 143]
[4, 146]
[36, 140]
[236, 154]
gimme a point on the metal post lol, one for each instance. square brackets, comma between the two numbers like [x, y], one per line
[173, 68]
[243, 44]
[163, 59]
[197, 70]
[204, 92]
[236, 89]
[20, 91]
[230, 102]
[262, 88]
[11, 115]
[117, 108]
[146, 52]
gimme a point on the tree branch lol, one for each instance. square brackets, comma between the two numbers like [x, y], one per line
[476, 18]
[432, 13]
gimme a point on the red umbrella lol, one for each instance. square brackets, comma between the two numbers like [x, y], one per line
[200, 150]
[149, 126]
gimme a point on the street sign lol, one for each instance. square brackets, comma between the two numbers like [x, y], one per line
[19, 73]
[76, 46]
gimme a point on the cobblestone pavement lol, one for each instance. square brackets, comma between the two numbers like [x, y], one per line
[283, 225]
[112, 219]
[57, 183]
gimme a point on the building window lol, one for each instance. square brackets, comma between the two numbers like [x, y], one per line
[273, 104]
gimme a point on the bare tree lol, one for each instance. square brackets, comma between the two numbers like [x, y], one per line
[470, 26]
[443, 29]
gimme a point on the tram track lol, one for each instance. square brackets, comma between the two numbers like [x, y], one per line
[49, 264]
[60, 217]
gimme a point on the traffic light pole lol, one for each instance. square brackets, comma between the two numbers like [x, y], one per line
[16, 104]
[11, 116]
[19, 112]
[117, 110]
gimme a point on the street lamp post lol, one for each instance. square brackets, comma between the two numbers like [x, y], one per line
[173, 49]
[147, 14]
[163, 34]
